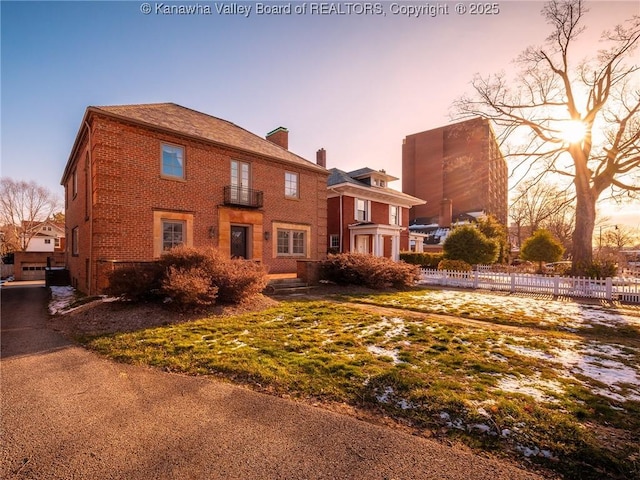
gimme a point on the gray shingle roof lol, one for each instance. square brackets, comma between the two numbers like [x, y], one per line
[338, 176]
[182, 120]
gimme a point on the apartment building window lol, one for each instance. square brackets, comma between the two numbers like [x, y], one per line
[172, 161]
[394, 215]
[362, 210]
[173, 234]
[291, 185]
[291, 242]
[74, 242]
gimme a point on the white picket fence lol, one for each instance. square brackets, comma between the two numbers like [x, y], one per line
[617, 288]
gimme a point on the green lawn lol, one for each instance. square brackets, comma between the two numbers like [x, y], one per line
[541, 386]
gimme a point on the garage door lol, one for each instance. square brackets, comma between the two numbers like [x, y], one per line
[33, 271]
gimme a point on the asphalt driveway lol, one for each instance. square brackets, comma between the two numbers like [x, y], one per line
[69, 414]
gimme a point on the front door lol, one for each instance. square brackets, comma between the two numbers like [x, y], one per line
[362, 243]
[238, 241]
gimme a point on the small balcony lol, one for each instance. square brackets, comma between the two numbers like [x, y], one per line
[244, 197]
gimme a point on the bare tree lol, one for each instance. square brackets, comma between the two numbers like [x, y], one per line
[561, 225]
[581, 120]
[618, 237]
[22, 206]
[537, 205]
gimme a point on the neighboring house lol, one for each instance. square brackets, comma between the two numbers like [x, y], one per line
[142, 179]
[364, 215]
[45, 236]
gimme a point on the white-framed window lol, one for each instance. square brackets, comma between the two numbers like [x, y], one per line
[334, 241]
[291, 242]
[362, 213]
[291, 185]
[240, 182]
[395, 217]
[172, 161]
[57, 242]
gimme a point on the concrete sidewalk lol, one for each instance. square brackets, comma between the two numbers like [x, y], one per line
[68, 413]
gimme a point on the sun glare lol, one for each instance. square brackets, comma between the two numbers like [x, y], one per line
[573, 131]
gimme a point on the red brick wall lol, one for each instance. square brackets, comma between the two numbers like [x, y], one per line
[460, 162]
[423, 171]
[128, 188]
[379, 214]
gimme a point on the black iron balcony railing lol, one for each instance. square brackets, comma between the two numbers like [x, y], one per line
[246, 197]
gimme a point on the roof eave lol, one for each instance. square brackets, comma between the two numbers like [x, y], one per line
[309, 165]
[76, 145]
[399, 198]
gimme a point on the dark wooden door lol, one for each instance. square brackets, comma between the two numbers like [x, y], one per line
[238, 242]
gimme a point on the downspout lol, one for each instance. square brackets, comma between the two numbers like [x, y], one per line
[90, 200]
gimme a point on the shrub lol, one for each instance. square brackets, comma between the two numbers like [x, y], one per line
[368, 270]
[234, 279]
[238, 279]
[137, 282]
[191, 278]
[423, 259]
[601, 269]
[541, 247]
[454, 265]
[190, 289]
[469, 244]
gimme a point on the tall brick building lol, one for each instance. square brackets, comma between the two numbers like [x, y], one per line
[143, 178]
[457, 169]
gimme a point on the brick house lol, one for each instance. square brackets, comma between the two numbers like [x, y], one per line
[141, 179]
[364, 214]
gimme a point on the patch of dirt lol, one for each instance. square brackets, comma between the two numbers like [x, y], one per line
[101, 318]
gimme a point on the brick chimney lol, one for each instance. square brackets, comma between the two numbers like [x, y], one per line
[279, 136]
[321, 157]
[446, 212]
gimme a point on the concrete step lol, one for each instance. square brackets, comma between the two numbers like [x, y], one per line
[283, 286]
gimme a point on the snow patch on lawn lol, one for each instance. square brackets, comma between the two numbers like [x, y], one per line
[571, 315]
[387, 396]
[383, 352]
[394, 327]
[611, 365]
[534, 387]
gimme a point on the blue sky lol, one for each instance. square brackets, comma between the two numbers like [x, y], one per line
[355, 85]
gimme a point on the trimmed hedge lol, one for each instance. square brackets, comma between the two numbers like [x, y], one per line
[454, 265]
[368, 270]
[423, 259]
